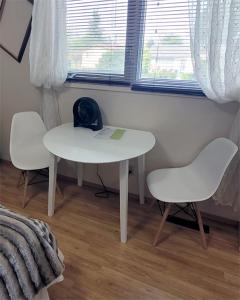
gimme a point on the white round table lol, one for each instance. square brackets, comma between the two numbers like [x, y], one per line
[81, 145]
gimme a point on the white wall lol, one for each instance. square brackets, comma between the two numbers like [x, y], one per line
[17, 94]
[1, 110]
[182, 124]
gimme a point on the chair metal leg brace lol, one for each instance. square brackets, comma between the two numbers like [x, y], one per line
[199, 219]
[27, 181]
[192, 224]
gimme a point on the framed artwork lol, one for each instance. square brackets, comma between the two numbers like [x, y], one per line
[1, 7]
[15, 26]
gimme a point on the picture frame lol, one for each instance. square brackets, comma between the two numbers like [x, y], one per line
[16, 46]
[2, 2]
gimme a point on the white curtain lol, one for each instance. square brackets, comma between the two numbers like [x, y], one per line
[215, 46]
[47, 56]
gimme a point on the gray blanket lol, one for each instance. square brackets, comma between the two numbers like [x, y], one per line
[28, 256]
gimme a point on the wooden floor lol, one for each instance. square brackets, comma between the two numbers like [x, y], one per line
[99, 267]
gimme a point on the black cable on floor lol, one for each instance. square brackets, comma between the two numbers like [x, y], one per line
[105, 193]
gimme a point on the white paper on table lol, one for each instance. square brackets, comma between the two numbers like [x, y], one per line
[104, 133]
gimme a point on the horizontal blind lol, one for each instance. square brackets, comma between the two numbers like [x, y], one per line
[165, 56]
[96, 38]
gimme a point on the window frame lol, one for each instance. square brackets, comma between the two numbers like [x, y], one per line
[133, 62]
[106, 78]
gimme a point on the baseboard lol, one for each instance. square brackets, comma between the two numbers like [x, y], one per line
[5, 157]
[205, 215]
[95, 185]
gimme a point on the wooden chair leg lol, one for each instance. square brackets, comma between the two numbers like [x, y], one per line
[59, 190]
[25, 188]
[20, 177]
[150, 206]
[200, 224]
[152, 203]
[165, 215]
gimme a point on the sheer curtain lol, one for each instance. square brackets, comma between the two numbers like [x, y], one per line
[215, 46]
[47, 55]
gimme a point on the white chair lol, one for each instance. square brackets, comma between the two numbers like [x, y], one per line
[195, 182]
[27, 151]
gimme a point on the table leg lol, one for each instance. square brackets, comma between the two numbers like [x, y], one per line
[52, 185]
[80, 174]
[124, 166]
[141, 178]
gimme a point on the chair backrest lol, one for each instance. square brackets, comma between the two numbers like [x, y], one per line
[26, 128]
[213, 160]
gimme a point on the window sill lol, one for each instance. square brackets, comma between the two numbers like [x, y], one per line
[127, 89]
[166, 89]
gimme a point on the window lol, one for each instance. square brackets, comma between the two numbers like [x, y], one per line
[165, 60]
[96, 35]
[145, 43]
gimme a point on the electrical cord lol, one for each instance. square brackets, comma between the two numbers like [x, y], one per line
[105, 193]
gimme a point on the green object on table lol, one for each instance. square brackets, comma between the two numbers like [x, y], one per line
[117, 134]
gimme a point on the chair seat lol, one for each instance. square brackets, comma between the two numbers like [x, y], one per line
[32, 157]
[179, 185]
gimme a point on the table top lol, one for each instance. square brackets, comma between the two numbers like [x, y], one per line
[81, 145]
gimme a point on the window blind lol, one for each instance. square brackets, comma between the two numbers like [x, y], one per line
[145, 43]
[165, 54]
[97, 39]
